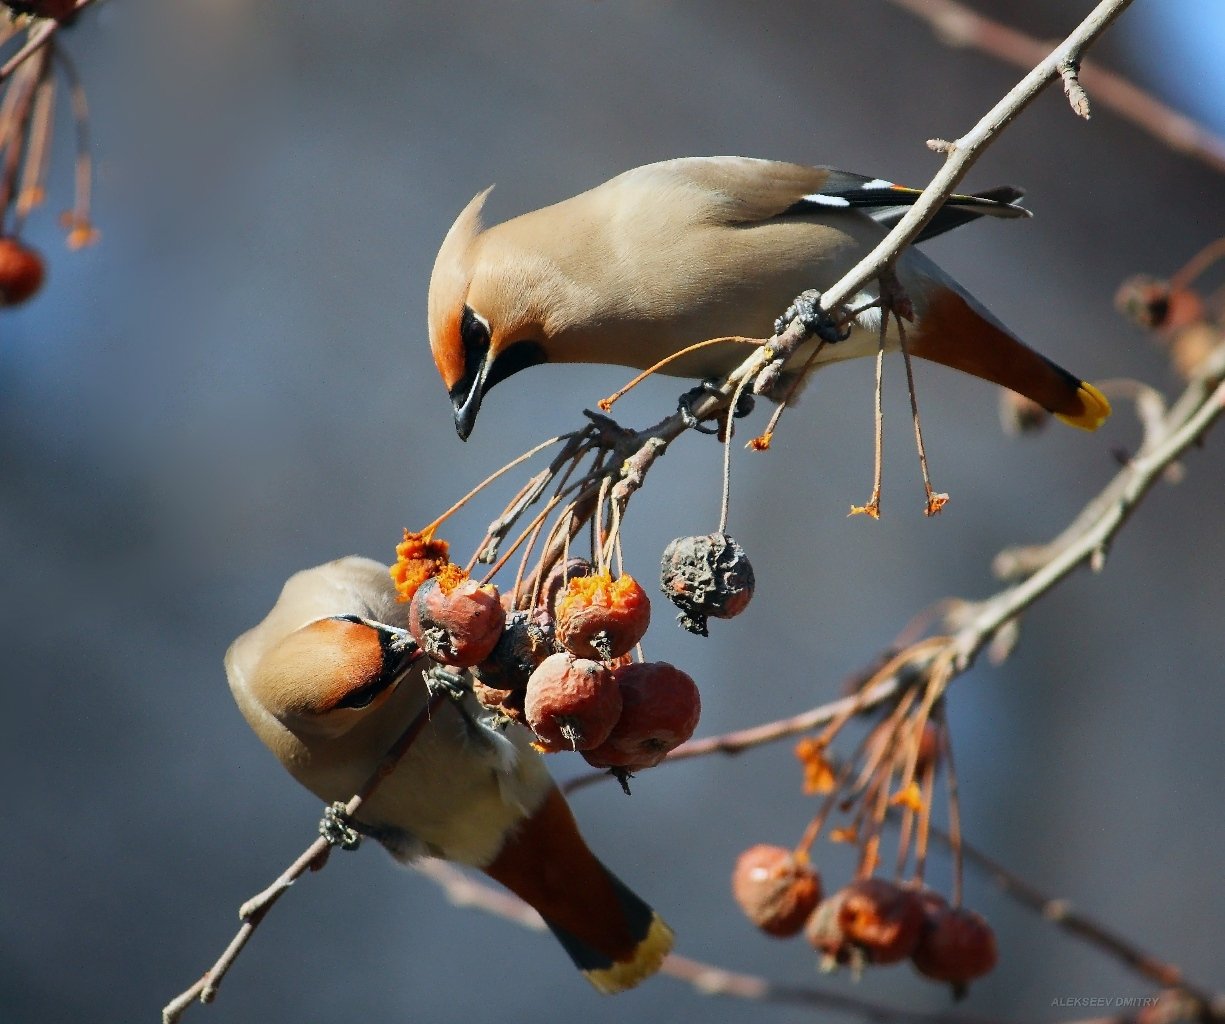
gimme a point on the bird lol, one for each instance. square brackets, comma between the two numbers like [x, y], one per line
[329, 680]
[677, 252]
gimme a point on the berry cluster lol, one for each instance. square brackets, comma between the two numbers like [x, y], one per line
[872, 920]
[556, 656]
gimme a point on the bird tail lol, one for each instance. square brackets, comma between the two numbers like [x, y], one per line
[611, 934]
[955, 331]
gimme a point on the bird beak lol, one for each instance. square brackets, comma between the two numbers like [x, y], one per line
[466, 399]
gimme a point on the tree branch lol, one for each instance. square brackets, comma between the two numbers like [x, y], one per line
[252, 912]
[958, 25]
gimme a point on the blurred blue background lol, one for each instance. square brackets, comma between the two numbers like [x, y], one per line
[235, 384]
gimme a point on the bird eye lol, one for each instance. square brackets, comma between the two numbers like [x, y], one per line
[473, 332]
[364, 697]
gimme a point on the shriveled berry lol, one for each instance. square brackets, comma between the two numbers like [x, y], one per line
[660, 708]
[558, 579]
[706, 577]
[825, 934]
[571, 703]
[775, 889]
[522, 646]
[455, 619]
[1021, 415]
[957, 945]
[1152, 303]
[418, 558]
[508, 702]
[882, 919]
[599, 617]
[21, 272]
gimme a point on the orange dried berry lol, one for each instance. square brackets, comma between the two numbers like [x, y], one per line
[882, 919]
[660, 708]
[418, 558]
[957, 945]
[776, 890]
[456, 625]
[21, 272]
[599, 617]
[571, 703]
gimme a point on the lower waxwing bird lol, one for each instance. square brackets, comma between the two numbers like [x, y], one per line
[326, 682]
[678, 252]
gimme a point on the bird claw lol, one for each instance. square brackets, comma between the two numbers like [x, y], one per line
[684, 406]
[338, 829]
[744, 405]
[807, 309]
[439, 679]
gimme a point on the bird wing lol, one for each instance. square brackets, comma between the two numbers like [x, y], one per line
[746, 190]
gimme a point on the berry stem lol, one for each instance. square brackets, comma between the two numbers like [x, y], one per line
[727, 454]
[519, 460]
[606, 404]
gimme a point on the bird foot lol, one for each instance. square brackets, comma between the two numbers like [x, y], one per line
[807, 309]
[439, 679]
[338, 829]
[684, 405]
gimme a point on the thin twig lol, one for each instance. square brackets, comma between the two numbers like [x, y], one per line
[253, 910]
[37, 38]
[963, 153]
[961, 26]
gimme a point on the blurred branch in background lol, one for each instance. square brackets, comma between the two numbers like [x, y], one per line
[959, 25]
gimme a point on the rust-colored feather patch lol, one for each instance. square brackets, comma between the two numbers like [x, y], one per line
[951, 332]
[449, 290]
[613, 937]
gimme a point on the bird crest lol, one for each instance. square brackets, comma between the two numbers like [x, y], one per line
[449, 289]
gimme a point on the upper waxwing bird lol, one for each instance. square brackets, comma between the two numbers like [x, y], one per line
[326, 682]
[678, 252]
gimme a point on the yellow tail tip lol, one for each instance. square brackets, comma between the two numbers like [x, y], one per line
[1095, 409]
[645, 960]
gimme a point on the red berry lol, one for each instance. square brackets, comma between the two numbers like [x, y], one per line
[775, 889]
[882, 919]
[660, 707]
[957, 946]
[456, 620]
[21, 272]
[571, 703]
[522, 646]
[602, 618]
[706, 577]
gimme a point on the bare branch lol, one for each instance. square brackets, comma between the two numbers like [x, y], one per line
[960, 26]
[312, 858]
